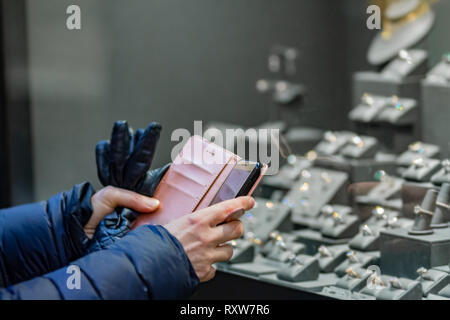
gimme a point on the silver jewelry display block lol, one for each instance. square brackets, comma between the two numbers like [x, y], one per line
[286, 176]
[402, 253]
[302, 139]
[357, 169]
[411, 194]
[433, 281]
[314, 239]
[243, 252]
[395, 137]
[315, 188]
[330, 257]
[265, 217]
[385, 85]
[436, 114]
[316, 285]
[401, 289]
[357, 259]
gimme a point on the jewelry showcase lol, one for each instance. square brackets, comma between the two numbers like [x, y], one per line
[362, 213]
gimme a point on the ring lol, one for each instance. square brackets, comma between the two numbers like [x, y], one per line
[443, 205]
[293, 260]
[419, 210]
[325, 177]
[393, 222]
[416, 147]
[405, 56]
[330, 136]
[366, 231]
[419, 163]
[367, 99]
[324, 252]
[351, 273]
[275, 236]
[234, 243]
[352, 257]
[327, 210]
[357, 141]
[395, 283]
[337, 218]
[379, 212]
[422, 272]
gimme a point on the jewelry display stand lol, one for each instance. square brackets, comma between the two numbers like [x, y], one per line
[397, 122]
[302, 139]
[355, 259]
[368, 110]
[327, 213]
[392, 288]
[421, 170]
[443, 175]
[403, 253]
[300, 268]
[441, 216]
[400, 77]
[366, 240]
[432, 280]
[386, 193]
[243, 251]
[276, 252]
[424, 214]
[355, 279]
[435, 91]
[340, 226]
[333, 142]
[416, 151]
[330, 257]
[316, 188]
[265, 217]
[287, 175]
[445, 292]
[360, 147]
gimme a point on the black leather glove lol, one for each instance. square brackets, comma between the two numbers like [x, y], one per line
[124, 162]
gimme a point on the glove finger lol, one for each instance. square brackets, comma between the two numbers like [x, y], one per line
[103, 162]
[147, 186]
[141, 158]
[119, 148]
[136, 137]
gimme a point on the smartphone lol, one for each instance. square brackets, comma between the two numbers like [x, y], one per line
[239, 182]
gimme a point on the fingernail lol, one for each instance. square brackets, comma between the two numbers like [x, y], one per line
[152, 202]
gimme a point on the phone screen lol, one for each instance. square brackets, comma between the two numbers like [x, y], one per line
[239, 182]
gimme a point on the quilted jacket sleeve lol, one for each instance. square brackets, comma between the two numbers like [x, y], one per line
[148, 263]
[41, 237]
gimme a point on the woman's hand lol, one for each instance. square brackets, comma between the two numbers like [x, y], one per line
[203, 235]
[107, 199]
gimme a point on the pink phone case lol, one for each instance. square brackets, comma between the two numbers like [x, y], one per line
[192, 181]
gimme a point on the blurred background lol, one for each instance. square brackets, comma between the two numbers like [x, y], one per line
[172, 61]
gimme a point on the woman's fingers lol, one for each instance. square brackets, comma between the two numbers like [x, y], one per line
[223, 253]
[219, 212]
[227, 231]
[107, 199]
[117, 197]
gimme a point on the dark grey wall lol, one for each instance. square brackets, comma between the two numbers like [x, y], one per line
[173, 61]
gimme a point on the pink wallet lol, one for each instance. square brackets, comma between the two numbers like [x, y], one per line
[192, 181]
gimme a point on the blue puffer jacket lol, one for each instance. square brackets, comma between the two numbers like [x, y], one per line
[39, 241]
